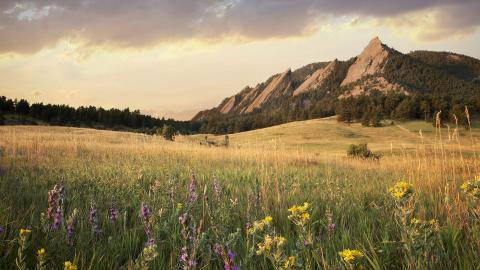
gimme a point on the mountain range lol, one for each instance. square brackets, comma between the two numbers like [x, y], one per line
[378, 69]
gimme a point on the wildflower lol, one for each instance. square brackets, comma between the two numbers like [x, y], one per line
[93, 220]
[149, 253]
[299, 214]
[185, 260]
[472, 188]
[56, 198]
[41, 261]
[217, 188]
[146, 216]
[21, 260]
[69, 266]
[289, 262]
[113, 213]
[259, 226]
[192, 189]
[350, 255]
[2, 229]
[331, 226]
[24, 233]
[71, 227]
[401, 191]
[269, 243]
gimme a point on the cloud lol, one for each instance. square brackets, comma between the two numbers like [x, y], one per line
[29, 26]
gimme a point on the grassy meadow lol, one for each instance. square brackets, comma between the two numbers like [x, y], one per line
[132, 201]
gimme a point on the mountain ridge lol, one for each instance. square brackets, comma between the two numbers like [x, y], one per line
[322, 86]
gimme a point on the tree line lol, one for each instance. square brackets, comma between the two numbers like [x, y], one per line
[91, 116]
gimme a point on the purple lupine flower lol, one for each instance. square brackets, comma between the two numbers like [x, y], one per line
[217, 249]
[56, 198]
[192, 190]
[2, 229]
[93, 220]
[70, 234]
[71, 227]
[146, 214]
[57, 219]
[113, 213]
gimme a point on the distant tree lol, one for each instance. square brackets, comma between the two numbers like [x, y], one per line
[168, 132]
[226, 141]
[22, 107]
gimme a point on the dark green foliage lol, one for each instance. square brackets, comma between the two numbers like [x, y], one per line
[361, 151]
[168, 132]
[116, 119]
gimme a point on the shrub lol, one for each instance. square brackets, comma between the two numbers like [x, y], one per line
[361, 151]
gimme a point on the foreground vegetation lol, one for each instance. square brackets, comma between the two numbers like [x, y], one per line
[107, 200]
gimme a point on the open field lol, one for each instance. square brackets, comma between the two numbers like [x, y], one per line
[200, 224]
[328, 137]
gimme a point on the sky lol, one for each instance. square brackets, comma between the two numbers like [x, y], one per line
[173, 58]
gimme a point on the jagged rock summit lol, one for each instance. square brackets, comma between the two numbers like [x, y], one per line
[316, 79]
[378, 68]
[369, 62]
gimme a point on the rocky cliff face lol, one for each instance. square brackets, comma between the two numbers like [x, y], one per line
[316, 79]
[378, 67]
[369, 62]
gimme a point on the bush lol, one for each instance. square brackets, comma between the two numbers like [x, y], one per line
[361, 151]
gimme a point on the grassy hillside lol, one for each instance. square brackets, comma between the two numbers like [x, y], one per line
[208, 222]
[328, 137]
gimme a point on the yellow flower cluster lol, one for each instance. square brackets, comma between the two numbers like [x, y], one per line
[350, 255]
[25, 232]
[430, 225]
[289, 262]
[299, 213]
[401, 191]
[472, 188]
[70, 266]
[259, 226]
[270, 243]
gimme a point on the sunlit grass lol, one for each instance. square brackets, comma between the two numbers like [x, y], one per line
[262, 173]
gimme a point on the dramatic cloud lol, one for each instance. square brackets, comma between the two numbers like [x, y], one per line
[29, 26]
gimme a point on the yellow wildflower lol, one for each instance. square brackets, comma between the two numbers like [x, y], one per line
[299, 214]
[41, 252]
[350, 255]
[289, 262]
[24, 232]
[280, 240]
[259, 226]
[70, 266]
[401, 190]
[267, 220]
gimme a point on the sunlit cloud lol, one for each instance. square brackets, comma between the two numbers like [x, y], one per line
[30, 26]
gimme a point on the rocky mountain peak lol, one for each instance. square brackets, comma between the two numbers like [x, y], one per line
[369, 62]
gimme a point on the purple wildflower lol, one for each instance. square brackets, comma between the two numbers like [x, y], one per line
[146, 214]
[113, 213]
[2, 229]
[71, 227]
[94, 220]
[228, 257]
[70, 234]
[185, 260]
[57, 219]
[192, 190]
[56, 197]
